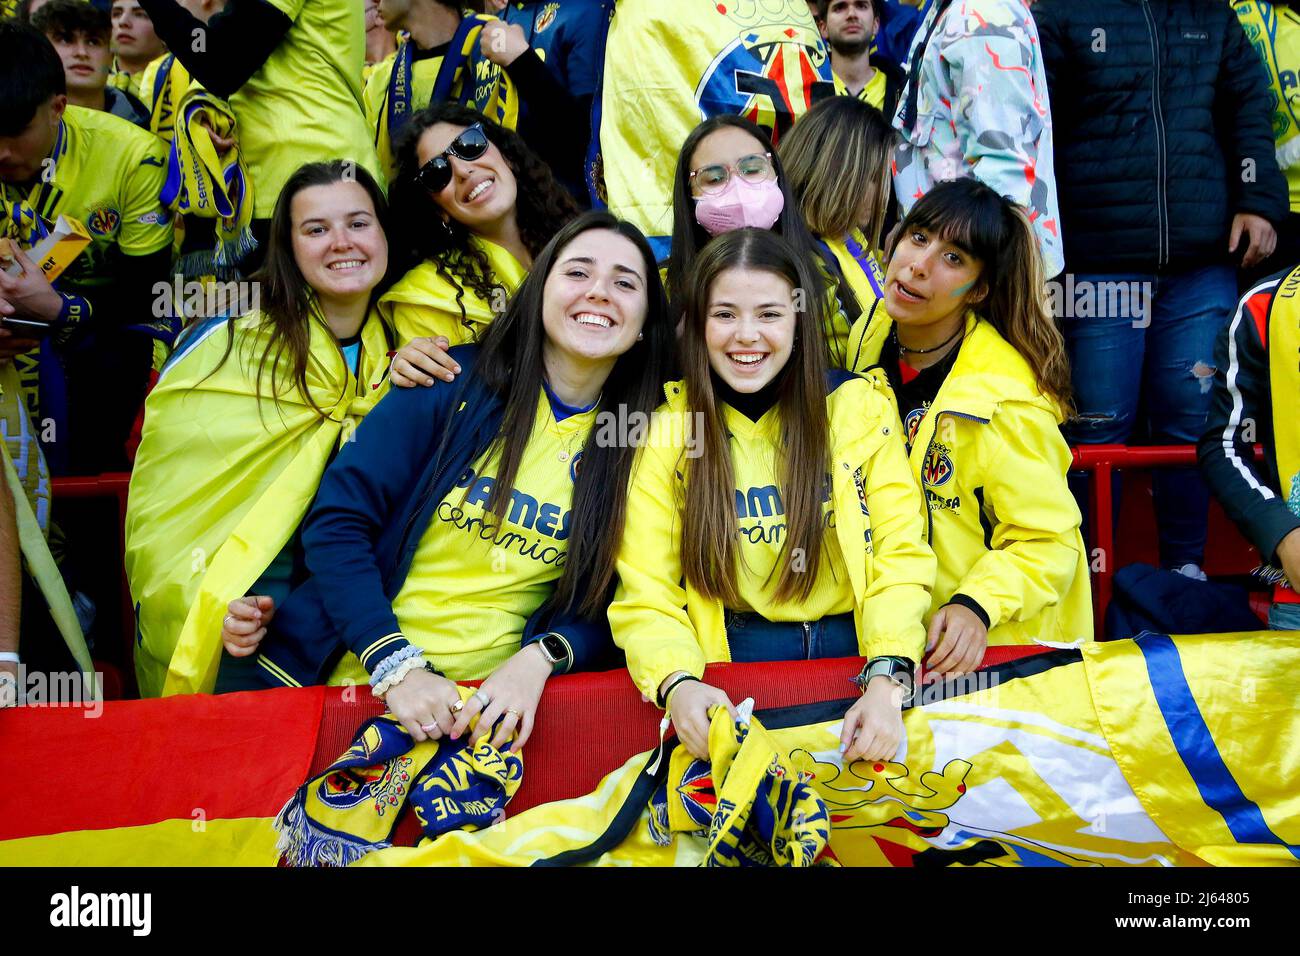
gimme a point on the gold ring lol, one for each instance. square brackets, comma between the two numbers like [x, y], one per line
[511, 710]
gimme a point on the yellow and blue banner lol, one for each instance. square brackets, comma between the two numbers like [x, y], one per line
[1131, 753]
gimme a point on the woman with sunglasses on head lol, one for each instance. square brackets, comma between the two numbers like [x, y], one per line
[244, 418]
[837, 157]
[791, 527]
[473, 526]
[473, 205]
[729, 177]
[982, 381]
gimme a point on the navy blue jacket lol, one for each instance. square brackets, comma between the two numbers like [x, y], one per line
[1160, 109]
[374, 503]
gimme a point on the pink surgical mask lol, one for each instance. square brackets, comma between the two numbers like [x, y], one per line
[739, 204]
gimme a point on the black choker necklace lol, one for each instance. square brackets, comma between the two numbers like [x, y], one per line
[934, 348]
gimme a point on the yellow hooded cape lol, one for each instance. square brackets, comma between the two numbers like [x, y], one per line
[423, 302]
[222, 480]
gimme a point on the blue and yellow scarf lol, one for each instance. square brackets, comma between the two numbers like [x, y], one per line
[201, 183]
[352, 808]
[458, 79]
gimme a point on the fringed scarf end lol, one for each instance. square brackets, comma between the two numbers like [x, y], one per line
[303, 844]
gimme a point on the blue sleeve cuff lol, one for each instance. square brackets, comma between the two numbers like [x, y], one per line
[371, 654]
[74, 310]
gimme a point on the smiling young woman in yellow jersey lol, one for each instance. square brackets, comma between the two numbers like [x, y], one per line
[473, 525]
[791, 527]
[473, 206]
[982, 381]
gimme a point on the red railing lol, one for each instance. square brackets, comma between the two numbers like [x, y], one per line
[112, 485]
[1100, 461]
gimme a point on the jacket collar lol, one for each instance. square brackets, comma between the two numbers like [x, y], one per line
[988, 372]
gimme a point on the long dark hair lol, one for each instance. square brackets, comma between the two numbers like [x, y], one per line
[689, 237]
[285, 297]
[996, 231]
[542, 206]
[709, 528]
[510, 363]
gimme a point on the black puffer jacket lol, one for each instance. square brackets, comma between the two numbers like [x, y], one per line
[1162, 132]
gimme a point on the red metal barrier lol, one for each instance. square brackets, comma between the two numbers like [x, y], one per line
[1100, 461]
[112, 485]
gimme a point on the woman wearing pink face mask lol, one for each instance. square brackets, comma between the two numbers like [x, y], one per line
[730, 177]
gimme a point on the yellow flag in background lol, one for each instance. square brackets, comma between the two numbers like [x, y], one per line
[671, 63]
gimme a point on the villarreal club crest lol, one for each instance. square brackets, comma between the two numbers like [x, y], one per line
[773, 71]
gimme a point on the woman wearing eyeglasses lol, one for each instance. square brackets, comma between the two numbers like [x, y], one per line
[729, 177]
[473, 205]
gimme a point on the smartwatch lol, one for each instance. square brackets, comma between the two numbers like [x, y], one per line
[897, 669]
[556, 651]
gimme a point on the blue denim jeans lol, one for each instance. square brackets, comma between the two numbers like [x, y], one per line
[1284, 617]
[754, 638]
[1144, 365]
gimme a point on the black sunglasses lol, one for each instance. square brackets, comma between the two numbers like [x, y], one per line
[469, 145]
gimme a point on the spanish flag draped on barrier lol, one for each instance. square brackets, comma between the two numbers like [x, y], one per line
[1160, 751]
[671, 63]
[224, 477]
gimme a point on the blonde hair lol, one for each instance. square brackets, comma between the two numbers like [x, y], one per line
[837, 159]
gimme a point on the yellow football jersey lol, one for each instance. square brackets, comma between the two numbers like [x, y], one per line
[873, 94]
[472, 585]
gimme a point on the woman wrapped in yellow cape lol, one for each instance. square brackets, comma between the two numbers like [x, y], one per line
[223, 479]
[244, 419]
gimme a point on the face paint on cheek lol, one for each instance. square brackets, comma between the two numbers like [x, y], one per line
[962, 290]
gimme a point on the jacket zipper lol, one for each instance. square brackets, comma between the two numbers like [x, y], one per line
[807, 640]
[1162, 201]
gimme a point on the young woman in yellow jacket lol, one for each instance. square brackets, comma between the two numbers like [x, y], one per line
[982, 383]
[771, 514]
[473, 205]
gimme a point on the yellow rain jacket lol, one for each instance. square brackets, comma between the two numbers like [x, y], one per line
[423, 302]
[991, 461]
[664, 625]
